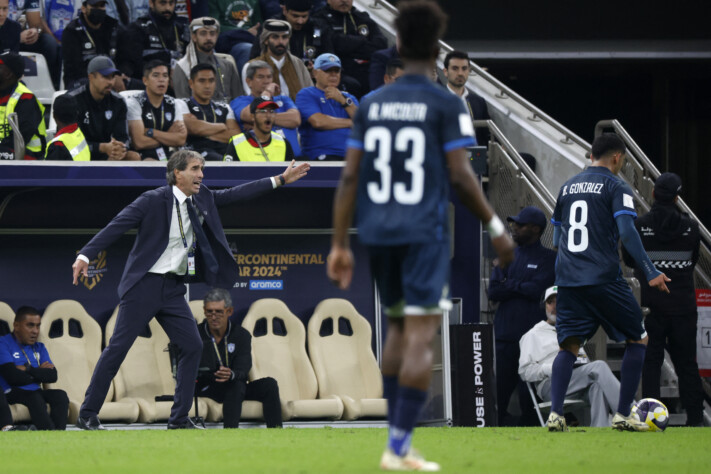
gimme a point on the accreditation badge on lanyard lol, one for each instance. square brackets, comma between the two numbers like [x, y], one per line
[191, 250]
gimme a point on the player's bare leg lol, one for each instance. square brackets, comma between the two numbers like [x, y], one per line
[415, 373]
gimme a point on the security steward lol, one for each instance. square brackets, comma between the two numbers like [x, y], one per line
[91, 34]
[159, 35]
[15, 97]
[671, 239]
[260, 143]
[355, 38]
[226, 362]
[69, 142]
[102, 113]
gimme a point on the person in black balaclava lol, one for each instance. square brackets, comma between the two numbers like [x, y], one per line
[159, 35]
[671, 240]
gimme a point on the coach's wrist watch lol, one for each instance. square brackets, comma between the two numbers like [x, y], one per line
[347, 103]
[148, 132]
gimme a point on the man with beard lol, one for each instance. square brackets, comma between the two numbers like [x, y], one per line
[210, 124]
[102, 113]
[89, 35]
[260, 143]
[539, 347]
[155, 119]
[456, 70]
[159, 35]
[203, 37]
[289, 71]
[355, 38]
[518, 289]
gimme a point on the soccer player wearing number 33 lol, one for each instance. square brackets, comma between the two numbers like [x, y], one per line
[408, 140]
[595, 209]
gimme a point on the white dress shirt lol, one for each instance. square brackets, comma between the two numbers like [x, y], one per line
[174, 258]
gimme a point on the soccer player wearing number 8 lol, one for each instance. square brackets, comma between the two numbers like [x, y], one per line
[408, 140]
[595, 209]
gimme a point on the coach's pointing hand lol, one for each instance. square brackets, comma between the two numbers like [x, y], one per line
[659, 282]
[80, 266]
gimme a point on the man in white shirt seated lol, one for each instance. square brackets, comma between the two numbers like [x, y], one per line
[539, 347]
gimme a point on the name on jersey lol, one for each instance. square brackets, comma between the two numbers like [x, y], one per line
[579, 188]
[403, 111]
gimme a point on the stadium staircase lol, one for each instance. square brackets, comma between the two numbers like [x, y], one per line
[517, 126]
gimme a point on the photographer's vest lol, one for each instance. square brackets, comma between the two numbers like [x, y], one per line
[274, 151]
[75, 144]
[35, 143]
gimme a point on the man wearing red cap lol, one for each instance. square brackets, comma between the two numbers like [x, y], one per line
[260, 143]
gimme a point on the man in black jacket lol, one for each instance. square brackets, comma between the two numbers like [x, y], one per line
[24, 365]
[671, 239]
[226, 361]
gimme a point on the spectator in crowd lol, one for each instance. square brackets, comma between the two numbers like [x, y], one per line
[456, 70]
[37, 37]
[155, 119]
[239, 23]
[539, 347]
[159, 35]
[288, 71]
[102, 113]
[128, 11]
[203, 37]
[15, 97]
[355, 38]
[326, 112]
[58, 14]
[9, 30]
[260, 143]
[671, 239]
[518, 289]
[69, 142]
[393, 71]
[24, 365]
[226, 362]
[91, 34]
[210, 124]
[378, 63]
[260, 82]
[309, 37]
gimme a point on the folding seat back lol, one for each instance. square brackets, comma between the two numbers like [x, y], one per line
[37, 77]
[7, 318]
[196, 307]
[279, 349]
[339, 341]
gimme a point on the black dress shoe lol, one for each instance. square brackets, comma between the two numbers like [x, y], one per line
[91, 424]
[186, 425]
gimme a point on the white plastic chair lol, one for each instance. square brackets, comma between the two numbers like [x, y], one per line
[40, 82]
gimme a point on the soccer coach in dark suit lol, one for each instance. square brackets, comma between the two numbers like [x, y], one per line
[169, 248]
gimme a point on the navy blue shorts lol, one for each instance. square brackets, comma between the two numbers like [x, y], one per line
[413, 279]
[581, 309]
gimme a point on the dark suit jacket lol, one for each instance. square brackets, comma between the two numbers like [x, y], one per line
[151, 213]
[479, 111]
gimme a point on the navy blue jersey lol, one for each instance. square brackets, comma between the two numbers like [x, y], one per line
[586, 209]
[405, 129]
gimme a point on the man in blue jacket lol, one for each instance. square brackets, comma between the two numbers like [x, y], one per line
[179, 238]
[518, 289]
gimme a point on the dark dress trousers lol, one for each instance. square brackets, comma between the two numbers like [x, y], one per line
[144, 295]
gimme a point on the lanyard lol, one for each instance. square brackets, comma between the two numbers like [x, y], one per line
[160, 36]
[222, 78]
[226, 361]
[214, 116]
[86, 31]
[182, 232]
[28, 359]
[345, 31]
[264, 153]
[153, 115]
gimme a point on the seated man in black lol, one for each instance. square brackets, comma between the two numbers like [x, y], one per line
[226, 361]
[210, 124]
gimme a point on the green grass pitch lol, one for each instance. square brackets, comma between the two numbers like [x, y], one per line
[343, 450]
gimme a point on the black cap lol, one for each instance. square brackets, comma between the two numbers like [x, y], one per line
[260, 104]
[298, 5]
[529, 215]
[667, 187]
[14, 62]
[94, 2]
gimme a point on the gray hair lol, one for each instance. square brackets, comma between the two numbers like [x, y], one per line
[218, 294]
[179, 161]
[252, 67]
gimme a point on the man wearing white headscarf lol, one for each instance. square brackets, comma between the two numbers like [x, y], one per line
[203, 37]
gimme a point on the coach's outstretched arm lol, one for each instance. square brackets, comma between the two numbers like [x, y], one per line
[633, 244]
[466, 185]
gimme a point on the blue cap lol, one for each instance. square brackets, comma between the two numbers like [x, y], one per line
[529, 215]
[326, 61]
